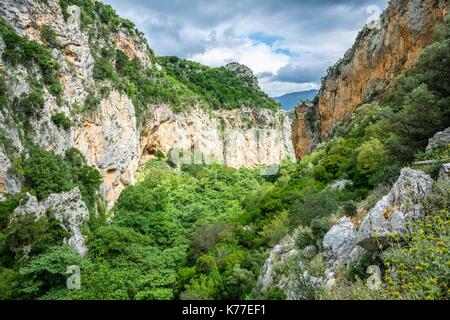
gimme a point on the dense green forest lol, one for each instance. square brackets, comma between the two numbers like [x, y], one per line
[204, 232]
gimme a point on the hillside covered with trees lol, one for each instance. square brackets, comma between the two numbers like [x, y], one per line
[204, 232]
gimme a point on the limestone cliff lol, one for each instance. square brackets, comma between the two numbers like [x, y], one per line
[108, 131]
[305, 134]
[380, 53]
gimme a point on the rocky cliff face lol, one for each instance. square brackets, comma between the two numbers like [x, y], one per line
[238, 138]
[367, 71]
[110, 136]
[305, 133]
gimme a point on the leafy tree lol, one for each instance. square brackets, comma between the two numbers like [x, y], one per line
[46, 173]
[314, 205]
[371, 159]
[48, 271]
[60, 120]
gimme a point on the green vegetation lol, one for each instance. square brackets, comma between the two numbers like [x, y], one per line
[144, 86]
[204, 232]
[60, 120]
[44, 173]
[219, 87]
[422, 264]
[93, 11]
[49, 36]
[20, 50]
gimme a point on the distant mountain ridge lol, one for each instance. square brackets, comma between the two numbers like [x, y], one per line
[290, 100]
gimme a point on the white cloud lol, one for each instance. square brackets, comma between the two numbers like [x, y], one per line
[257, 56]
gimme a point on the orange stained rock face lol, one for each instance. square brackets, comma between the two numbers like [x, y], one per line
[302, 135]
[370, 73]
[2, 185]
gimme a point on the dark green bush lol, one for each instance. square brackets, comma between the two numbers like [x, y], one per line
[60, 120]
[314, 205]
[3, 92]
[45, 173]
[91, 102]
[31, 236]
[103, 69]
[349, 208]
[305, 238]
[31, 104]
[49, 36]
[87, 178]
[319, 227]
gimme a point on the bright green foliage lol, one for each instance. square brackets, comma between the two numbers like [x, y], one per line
[372, 159]
[92, 11]
[60, 120]
[221, 88]
[276, 230]
[45, 173]
[142, 85]
[46, 274]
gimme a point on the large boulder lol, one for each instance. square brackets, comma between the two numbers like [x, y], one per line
[277, 257]
[444, 173]
[67, 207]
[391, 214]
[440, 138]
[339, 243]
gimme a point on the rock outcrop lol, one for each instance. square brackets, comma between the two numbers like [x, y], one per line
[277, 258]
[368, 70]
[339, 243]
[440, 138]
[444, 173]
[237, 138]
[305, 130]
[110, 142]
[243, 71]
[392, 213]
[67, 207]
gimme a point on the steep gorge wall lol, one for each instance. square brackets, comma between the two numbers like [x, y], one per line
[238, 138]
[110, 136]
[380, 54]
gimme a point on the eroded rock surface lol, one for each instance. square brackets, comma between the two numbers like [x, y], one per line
[339, 243]
[368, 70]
[391, 214]
[67, 207]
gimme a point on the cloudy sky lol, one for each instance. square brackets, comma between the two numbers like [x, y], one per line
[288, 44]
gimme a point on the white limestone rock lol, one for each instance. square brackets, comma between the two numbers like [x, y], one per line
[391, 214]
[67, 207]
[339, 243]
